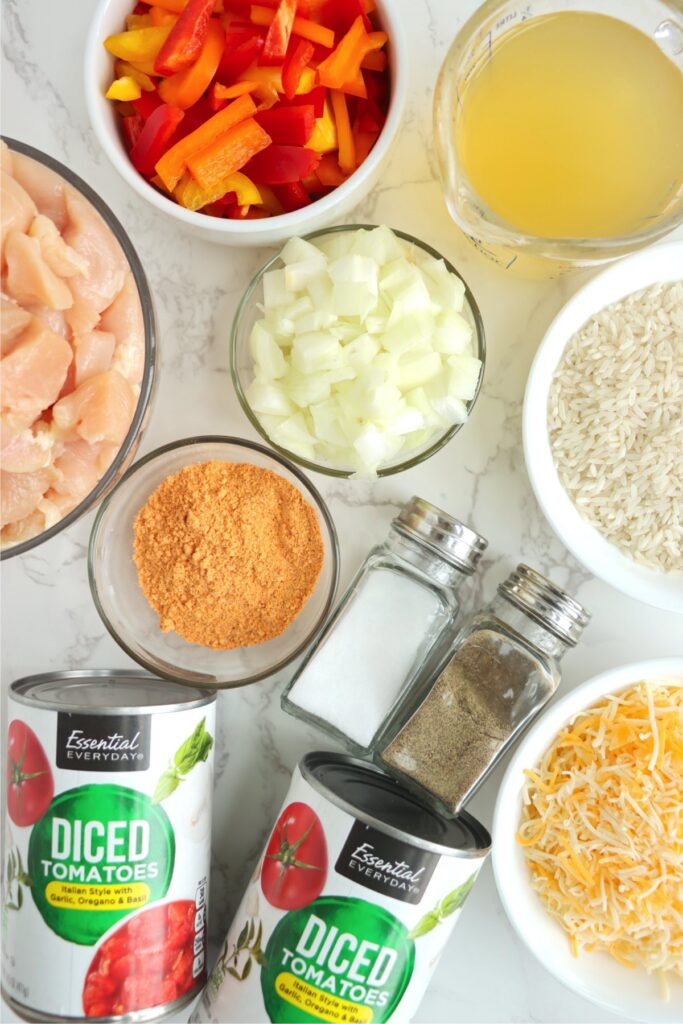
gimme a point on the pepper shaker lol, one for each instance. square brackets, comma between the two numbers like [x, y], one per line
[500, 670]
[400, 602]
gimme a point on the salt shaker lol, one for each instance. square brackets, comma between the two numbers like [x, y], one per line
[400, 602]
[500, 670]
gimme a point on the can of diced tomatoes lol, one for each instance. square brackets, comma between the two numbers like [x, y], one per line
[351, 904]
[107, 845]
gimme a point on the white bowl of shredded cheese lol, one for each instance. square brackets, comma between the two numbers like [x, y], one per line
[586, 840]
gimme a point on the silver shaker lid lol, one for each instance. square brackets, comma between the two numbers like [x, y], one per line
[546, 602]
[451, 539]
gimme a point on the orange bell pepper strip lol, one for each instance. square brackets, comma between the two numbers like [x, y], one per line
[184, 89]
[343, 64]
[174, 6]
[138, 21]
[186, 38]
[139, 45]
[329, 173]
[347, 146]
[159, 16]
[302, 27]
[376, 60]
[228, 153]
[231, 92]
[172, 165]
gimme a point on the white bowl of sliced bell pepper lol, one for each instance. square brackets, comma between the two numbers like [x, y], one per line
[247, 123]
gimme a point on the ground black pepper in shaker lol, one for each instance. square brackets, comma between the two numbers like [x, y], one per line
[501, 669]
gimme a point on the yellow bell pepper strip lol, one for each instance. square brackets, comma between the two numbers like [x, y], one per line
[173, 163]
[139, 45]
[347, 147]
[184, 89]
[125, 88]
[159, 16]
[123, 68]
[279, 31]
[273, 76]
[190, 195]
[228, 153]
[302, 27]
[186, 38]
[343, 64]
[324, 137]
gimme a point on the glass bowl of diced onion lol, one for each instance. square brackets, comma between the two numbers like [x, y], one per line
[357, 351]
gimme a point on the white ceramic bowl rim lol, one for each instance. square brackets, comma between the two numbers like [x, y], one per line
[298, 220]
[519, 900]
[663, 590]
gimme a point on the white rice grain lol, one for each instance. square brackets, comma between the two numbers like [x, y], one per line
[615, 418]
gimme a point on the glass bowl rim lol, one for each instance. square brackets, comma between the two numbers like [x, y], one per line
[316, 467]
[307, 486]
[483, 221]
[149, 327]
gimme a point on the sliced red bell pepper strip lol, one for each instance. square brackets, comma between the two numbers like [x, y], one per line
[339, 15]
[228, 153]
[292, 195]
[300, 26]
[186, 38]
[363, 142]
[132, 129]
[299, 56]
[292, 126]
[329, 173]
[315, 96]
[238, 57]
[172, 165]
[280, 165]
[154, 139]
[147, 103]
[184, 89]
[277, 37]
[347, 149]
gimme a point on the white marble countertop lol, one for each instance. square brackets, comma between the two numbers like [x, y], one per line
[48, 619]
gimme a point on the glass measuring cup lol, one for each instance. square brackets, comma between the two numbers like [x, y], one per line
[513, 249]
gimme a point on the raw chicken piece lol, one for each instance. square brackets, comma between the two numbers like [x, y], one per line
[13, 320]
[81, 466]
[44, 186]
[87, 233]
[124, 319]
[29, 450]
[23, 529]
[20, 493]
[17, 209]
[52, 318]
[29, 279]
[93, 352]
[32, 375]
[60, 257]
[101, 409]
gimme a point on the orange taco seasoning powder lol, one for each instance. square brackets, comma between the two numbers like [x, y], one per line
[227, 553]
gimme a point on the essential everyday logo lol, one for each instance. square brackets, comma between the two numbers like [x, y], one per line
[384, 864]
[96, 743]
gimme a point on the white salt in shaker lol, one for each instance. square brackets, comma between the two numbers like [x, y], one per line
[400, 602]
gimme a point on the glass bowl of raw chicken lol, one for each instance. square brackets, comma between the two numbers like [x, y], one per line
[78, 349]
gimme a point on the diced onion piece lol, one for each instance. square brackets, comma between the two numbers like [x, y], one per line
[318, 350]
[267, 355]
[268, 398]
[464, 376]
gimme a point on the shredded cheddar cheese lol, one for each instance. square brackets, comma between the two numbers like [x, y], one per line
[602, 828]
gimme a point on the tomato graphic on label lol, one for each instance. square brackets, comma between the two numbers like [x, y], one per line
[295, 865]
[154, 958]
[30, 786]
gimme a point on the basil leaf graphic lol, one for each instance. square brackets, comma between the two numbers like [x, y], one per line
[425, 924]
[167, 784]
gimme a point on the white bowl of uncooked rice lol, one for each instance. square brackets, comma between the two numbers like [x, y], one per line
[603, 425]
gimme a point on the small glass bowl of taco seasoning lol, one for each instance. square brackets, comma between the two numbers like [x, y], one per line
[214, 562]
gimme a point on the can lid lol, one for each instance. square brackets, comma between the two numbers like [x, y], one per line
[454, 541]
[546, 602]
[369, 794]
[107, 692]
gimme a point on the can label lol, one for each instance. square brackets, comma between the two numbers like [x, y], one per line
[342, 922]
[106, 859]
